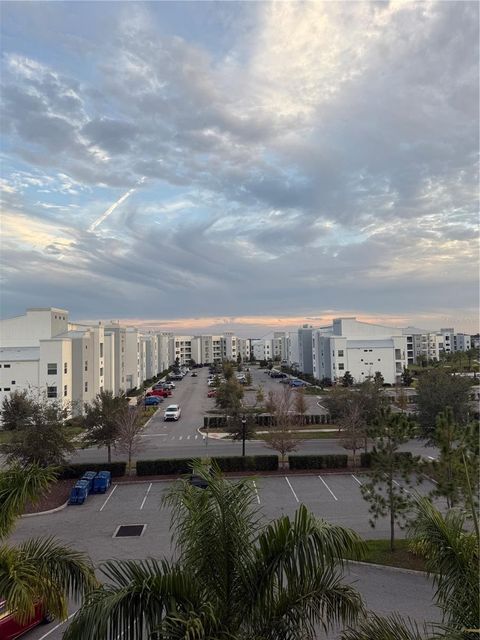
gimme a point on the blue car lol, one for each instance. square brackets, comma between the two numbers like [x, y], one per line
[89, 477]
[152, 401]
[101, 482]
[297, 383]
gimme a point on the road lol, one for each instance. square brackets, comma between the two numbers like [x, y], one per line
[182, 439]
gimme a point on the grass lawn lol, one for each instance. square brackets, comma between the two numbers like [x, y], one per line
[315, 435]
[4, 437]
[312, 391]
[378, 552]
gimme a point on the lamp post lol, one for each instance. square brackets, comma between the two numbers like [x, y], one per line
[244, 427]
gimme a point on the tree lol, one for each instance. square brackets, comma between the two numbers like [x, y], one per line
[248, 379]
[42, 438]
[16, 411]
[228, 370]
[229, 396]
[378, 379]
[234, 577]
[385, 495]
[259, 396]
[300, 405]
[352, 425]
[407, 377]
[129, 439]
[347, 380]
[101, 420]
[457, 460]
[281, 436]
[436, 390]
[450, 549]
[41, 569]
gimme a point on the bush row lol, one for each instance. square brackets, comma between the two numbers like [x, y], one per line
[336, 461]
[117, 469]
[178, 466]
[366, 458]
[263, 420]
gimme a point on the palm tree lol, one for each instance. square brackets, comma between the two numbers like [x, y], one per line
[232, 578]
[451, 552]
[38, 570]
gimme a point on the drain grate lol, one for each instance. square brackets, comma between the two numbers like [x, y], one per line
[129, 530]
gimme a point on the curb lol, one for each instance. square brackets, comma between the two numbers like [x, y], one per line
[387, 566]
[44, 513]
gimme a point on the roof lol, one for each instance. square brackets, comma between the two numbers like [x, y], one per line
[19, 354]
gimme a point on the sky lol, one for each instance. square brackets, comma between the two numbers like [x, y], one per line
[241, 165]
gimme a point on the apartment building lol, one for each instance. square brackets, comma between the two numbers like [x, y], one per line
[243, 348]
[133, 359]
[117, 366]
[293, 353]
[432, 344]
[305, 349]
[360, 348]
[163, 351]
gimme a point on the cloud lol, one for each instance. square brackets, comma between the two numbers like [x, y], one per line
[298, 156]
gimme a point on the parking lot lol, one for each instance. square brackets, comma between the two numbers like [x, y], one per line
[91, 527]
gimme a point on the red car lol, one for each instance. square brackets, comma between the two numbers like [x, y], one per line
[163, 393]
[212, 393]
[11, 628]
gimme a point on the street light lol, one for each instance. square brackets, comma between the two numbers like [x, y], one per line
[244, 427]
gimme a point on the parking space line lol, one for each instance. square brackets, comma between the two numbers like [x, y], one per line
[196, 436]
[333, 495]
[188, 437]
[180, 437]
[256, 491]
[399, 485]
[108, 497]
[356, 479]
[45, 635]
[294, 494]
[146, 495]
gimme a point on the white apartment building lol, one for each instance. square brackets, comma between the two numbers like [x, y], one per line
[360, 348]
[117, 366]
[163, 351]
[133, 364]
[305, 348]
[262, 348]
[243, 348]
[149, 351]
[432, 344]
[293, 353]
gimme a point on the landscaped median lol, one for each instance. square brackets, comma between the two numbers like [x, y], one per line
[179, 466]
[379, 552]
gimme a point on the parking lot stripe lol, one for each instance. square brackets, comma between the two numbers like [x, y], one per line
[45, 635]
[188, 437]
[333, 495]
[399, 485]
[146, 495]
[256, 491]
[196, 436]
[294, 494]
[180, 438]
[356, 479]
[108, 497]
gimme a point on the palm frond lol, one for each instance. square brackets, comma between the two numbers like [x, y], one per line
[138, 599]
[43, 569]
[20, 484]
[451, 556]
[392, 627]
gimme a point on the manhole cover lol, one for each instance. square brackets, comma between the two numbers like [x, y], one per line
[129, 530]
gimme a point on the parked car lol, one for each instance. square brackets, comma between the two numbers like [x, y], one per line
[284, 380]
[152, 401]
[297, 383]
[198, 481]
[163, 393]
[212, 393]
[89, 476]
[194, 374]
[172, 412]
[79, 493]
[10, 629]
[102, 482]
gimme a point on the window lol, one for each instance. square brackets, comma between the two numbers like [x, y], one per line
[86, 386]
[51, 392]
[65, 367]
[65, 390]
[7, 366]
[341, 366]
[6, 388]
[101, 349]
[101, 371]
[52, 369]
[398, 354]
[340, 353]
[86, 365]
[13, 382]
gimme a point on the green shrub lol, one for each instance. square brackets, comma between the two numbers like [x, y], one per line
[247, 463]
[334, 461]
[117, 469]
[163, 467]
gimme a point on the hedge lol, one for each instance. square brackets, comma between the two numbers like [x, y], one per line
[366, 458]
[179, 466]
[163, 466]
[247, 463]
[117, 469]
[336, 461]
[265, 420]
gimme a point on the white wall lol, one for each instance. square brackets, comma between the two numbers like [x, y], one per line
[35, 325]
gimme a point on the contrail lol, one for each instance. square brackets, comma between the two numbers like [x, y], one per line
[112, 208]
